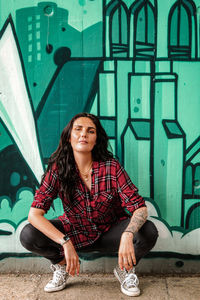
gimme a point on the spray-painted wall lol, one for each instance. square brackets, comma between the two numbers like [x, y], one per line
[135, 64]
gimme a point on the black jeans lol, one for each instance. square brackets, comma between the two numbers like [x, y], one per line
[36, 242]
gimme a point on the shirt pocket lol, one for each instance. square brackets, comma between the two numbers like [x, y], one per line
[76, 206]
[102, 205]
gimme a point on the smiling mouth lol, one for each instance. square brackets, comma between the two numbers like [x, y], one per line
[83, 142]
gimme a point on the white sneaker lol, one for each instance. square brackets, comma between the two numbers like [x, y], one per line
[129, 281]
[59, 280]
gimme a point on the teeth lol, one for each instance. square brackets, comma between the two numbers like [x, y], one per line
[15, 107]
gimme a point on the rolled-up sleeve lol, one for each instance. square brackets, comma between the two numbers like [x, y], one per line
[127, 191]
[47, 192]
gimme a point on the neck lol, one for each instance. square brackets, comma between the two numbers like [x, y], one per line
[83, 160]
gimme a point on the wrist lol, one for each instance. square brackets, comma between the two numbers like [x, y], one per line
[64, 240]
[129, 233]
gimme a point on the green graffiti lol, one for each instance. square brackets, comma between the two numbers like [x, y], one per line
[135, 64]
[24, 198]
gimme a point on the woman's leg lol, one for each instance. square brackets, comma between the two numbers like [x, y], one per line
[35, 241]
[144, 240]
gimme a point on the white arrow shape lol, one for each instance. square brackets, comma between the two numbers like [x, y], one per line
[15, 106]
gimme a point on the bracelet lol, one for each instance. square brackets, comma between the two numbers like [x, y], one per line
[64, 240]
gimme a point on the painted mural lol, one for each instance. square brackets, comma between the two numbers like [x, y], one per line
[135, 64]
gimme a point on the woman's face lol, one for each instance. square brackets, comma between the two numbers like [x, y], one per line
[83, 135]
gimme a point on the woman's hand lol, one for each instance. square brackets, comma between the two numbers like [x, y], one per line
[126, 256]
[72, 259]
[126, 253]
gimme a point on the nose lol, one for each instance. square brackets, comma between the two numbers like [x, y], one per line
[83, 133]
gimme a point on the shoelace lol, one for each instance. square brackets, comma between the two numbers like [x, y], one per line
[58, 274]
[131, 280]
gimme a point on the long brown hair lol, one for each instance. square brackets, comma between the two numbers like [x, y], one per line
[63, 157]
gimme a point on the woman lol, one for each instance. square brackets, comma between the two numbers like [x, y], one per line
[98, 198]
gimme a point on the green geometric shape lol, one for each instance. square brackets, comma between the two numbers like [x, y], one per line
[174, 28]
[188, 180]
[165, 77]
[140, 95]
[112, 143]
[109, 65]
[140, 36]
[173, 129]
[142, 129]
[15, 179]
[136, 109]
[197, 180]
[194, 220]
[137, 160]
[8, 120]
[142, 66]
[193, 151]
[184, 27]
[196, 159]
[66, 98]
[109, 126]
[119, 33]
[5, 139]
[162, 66]
[107, 94]
[94, 109]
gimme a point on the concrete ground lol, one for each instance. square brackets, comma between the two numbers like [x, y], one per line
[99, 287]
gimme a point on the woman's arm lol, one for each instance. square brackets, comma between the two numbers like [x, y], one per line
[126, 254]
[37, 219]
[138, 218]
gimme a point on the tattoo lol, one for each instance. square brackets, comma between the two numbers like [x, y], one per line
[137, 220]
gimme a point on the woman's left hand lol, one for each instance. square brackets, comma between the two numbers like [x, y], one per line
[126, 253]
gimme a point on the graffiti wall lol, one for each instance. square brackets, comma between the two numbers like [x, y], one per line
[135, 64]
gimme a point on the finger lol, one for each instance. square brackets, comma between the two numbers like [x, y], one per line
[72, 269]
[120, 261]
[78, 268]
[133, 258]
[130, 261]
[125, 263]
[68, 266]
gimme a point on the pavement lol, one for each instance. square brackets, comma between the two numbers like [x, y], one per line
[99, 287]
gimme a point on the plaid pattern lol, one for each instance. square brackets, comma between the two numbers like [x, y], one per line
[91, 213]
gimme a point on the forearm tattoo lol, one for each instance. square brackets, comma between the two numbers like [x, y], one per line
[137, 220]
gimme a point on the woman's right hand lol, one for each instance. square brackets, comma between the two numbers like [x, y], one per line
[72, 259]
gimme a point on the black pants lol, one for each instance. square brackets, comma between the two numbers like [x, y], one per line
[36, 242]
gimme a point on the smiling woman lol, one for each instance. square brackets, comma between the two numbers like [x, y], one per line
[96, 194]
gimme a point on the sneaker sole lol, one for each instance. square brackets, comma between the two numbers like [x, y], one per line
[55, 289]
[128, 293]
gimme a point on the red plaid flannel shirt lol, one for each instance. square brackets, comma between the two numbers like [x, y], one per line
[90, 213]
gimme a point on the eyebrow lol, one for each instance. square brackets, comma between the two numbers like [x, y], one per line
[90, 127]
